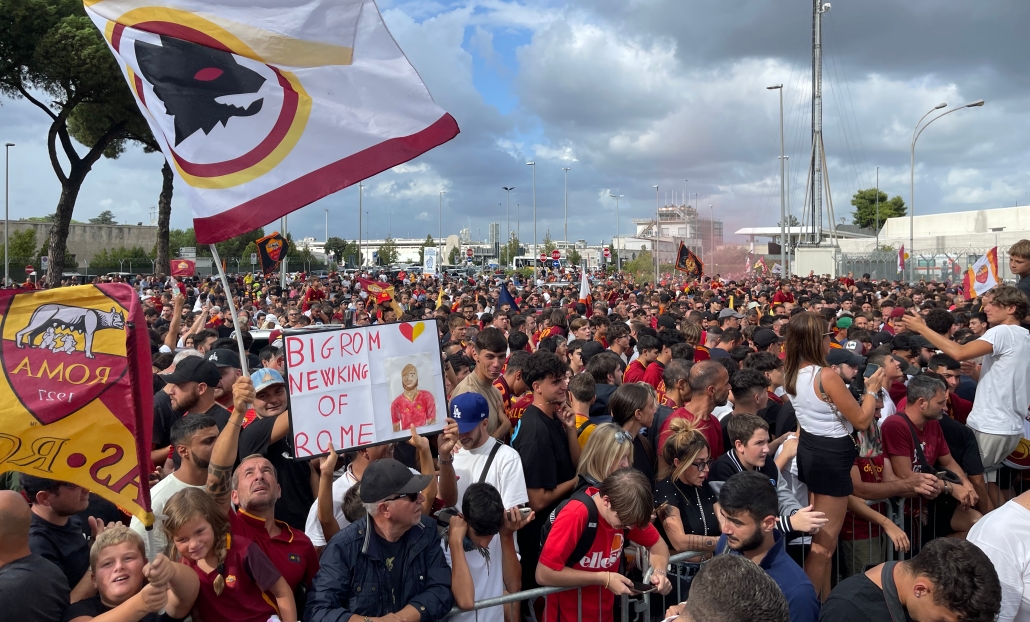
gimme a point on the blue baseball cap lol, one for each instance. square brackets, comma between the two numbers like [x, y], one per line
[469, 410]
[264, 378]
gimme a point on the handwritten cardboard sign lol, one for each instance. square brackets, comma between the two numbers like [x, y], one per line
[364, 385]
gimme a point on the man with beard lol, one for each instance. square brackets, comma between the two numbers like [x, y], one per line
[254, 486]
[228, 364]
[192, 389]
[193, 438]
[709, 387]
[491, 348]
[748, 517]
[920, 420]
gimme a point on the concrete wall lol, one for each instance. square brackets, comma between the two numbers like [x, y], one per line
[86, 240]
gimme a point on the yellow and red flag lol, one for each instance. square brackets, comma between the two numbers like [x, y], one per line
[271, 250]
[183, 267]
[982, 275]
[263, 107]
[380, 293]
[75, 397]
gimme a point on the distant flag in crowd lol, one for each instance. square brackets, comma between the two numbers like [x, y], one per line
[687, 261]
[263, 107]
[505, 298]
[750, 257]
[982, 275]
[183, 267]
[76, 403]
[271, 250]
[760, 265]
[902, 256]
[381, 293]
[584, 287]
[440, 299]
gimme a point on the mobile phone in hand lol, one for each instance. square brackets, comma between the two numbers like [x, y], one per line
[643, 588]
[870, 370]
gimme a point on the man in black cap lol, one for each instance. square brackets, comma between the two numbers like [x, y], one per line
[192, 390]
[389, 563]
[845, 363]
[228, 363]
[764, 340]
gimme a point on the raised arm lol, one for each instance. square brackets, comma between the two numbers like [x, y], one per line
[223, 455]
[172, 336]
[971, 350]
[325, 495]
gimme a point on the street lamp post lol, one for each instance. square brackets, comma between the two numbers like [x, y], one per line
[712, 223]
[7, 211]
[507, 211]
[361, 260]
[439, 236]
[327, 225]
[566, 169]
[657, 235]
[912, 173]
[535, 273]
[783, 215]
[877, 208]
[618, 234]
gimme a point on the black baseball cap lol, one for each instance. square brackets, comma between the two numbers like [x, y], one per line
[666, 321]
[763, 338]
[193, 369]
[386, 478]
[224, 357]
[842, 356]
[589, 350]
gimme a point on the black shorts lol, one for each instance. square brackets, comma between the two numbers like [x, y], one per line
[824, 464]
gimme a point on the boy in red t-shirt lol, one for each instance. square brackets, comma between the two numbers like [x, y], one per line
[624, 505]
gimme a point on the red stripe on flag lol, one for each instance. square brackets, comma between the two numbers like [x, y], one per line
[323, 182]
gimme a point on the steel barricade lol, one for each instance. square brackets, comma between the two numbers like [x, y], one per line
[631, 608]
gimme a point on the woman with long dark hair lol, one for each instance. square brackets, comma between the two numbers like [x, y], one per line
[633, 406]
[828, 415]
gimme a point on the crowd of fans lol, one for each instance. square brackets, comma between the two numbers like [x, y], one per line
[787, 437]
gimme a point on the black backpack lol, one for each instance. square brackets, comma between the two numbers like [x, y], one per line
[586, 539]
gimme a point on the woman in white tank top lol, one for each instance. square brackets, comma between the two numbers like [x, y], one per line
[826, 449]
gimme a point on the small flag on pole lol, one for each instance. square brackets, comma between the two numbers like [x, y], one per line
[901, 258]
[982, 276]
[687, 261]
[263, 107]
[271, 250]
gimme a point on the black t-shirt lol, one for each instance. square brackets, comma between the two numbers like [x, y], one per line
[684, 498]
[294, 476]
[65, 546]
[962, 444]
[857, 599]
[644, 457]
[164, 417]
[93, 607]
[36, 576]
[786, 419]
[1023, 285]
[393, 557]
[544, 448]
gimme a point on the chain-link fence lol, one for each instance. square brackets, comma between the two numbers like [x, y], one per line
[941, 264]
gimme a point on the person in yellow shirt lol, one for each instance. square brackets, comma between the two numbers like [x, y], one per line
[581, 396]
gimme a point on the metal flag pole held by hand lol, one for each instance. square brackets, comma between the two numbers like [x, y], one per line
[232, 310]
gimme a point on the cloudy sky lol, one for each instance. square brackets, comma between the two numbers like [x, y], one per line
[633, 93]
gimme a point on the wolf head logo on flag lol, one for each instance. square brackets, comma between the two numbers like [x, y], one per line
[72, 404]
[271, 250]
[258, 122]
[687, 261]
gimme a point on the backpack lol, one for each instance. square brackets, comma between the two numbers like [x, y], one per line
[586, 539]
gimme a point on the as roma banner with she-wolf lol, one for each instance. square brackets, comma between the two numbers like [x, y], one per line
[75, 398]
[364, 385]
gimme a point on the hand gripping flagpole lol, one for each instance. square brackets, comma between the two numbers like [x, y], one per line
[232, 309]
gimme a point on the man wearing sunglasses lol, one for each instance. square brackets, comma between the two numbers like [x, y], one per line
[392, 560]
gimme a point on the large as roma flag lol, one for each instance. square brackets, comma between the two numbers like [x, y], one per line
[271, 249]
[75, 398]
[687, 261]
[264, 106]
[379, 293]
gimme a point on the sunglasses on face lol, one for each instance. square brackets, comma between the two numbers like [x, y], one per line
[411, 496]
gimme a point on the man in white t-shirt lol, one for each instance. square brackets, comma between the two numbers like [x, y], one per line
[480, 459]
[351, 476]
[1003, 390]
[193, 437]
[1001, 535]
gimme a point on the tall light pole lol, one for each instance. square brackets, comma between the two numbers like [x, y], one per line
[533, 164]
[713, 236]
[912, 173]
[657, 235]
[618, 257]
[439, 236]
[783, 196]
[518, 223]
[877, 208]
[7, 211]
[566, 169]
[361, 259]
[507, 211]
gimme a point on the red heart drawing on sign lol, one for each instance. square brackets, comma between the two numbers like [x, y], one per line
[412, 331]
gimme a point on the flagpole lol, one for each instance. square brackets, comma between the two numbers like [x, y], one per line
[232, 310]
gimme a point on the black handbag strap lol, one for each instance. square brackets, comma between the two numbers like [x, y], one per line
[926, 466]
[890, 592]
[489, 461]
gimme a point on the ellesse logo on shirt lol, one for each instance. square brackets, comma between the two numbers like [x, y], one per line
[597, 561]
